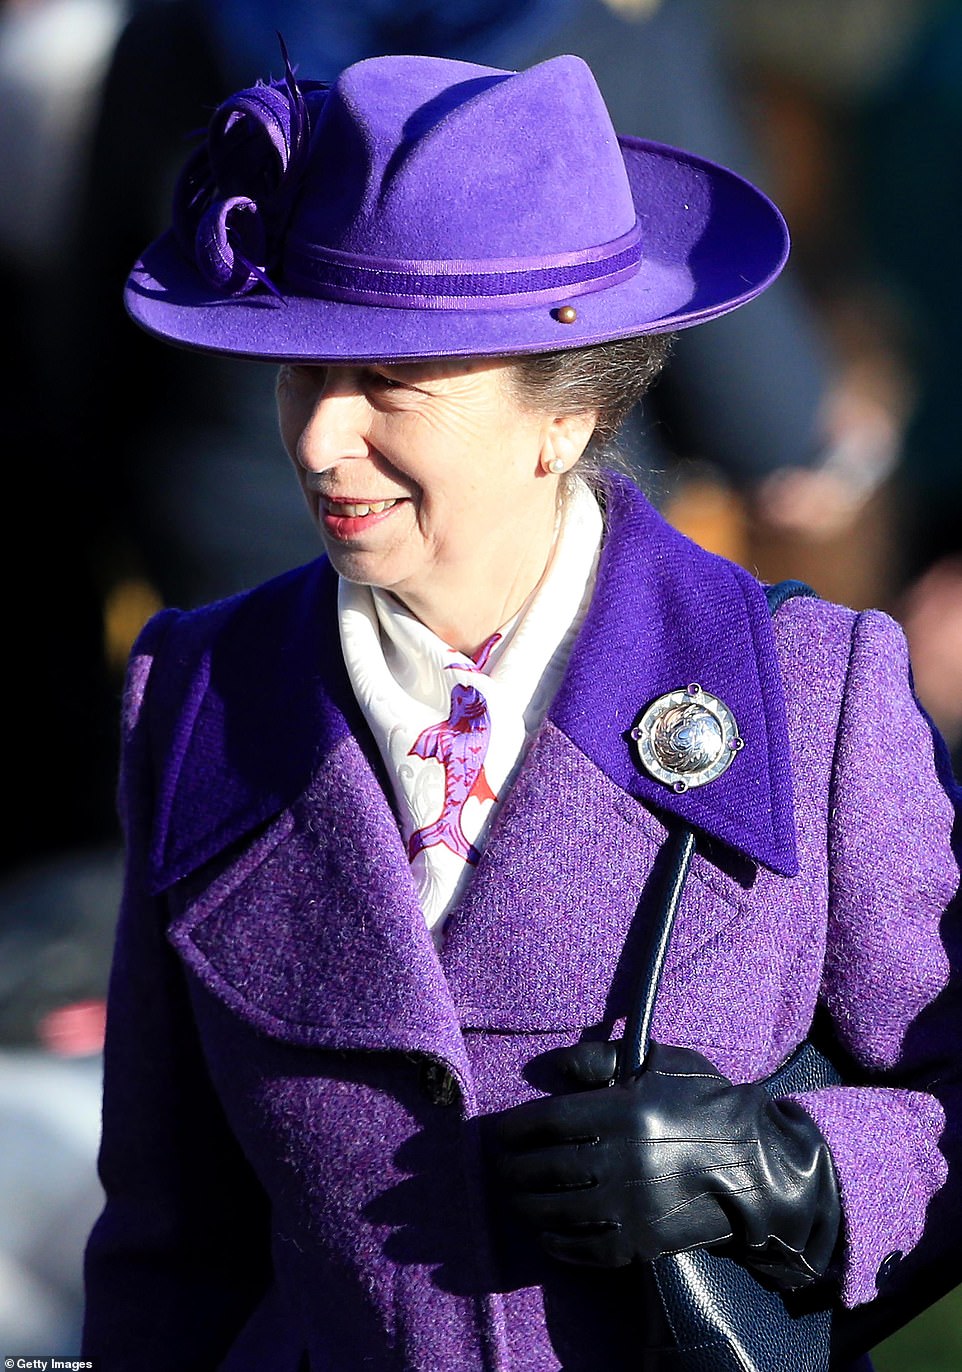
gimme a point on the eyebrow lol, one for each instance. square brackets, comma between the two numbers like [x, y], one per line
[411, 371]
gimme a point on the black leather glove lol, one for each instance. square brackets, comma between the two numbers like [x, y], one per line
[677, 1158]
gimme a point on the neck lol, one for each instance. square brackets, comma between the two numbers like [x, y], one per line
[467, 606]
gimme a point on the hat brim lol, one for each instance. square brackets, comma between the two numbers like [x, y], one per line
[711, 241]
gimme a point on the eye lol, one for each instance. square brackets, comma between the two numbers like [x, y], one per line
[382, 381]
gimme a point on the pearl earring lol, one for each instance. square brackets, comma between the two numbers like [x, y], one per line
[556, 465]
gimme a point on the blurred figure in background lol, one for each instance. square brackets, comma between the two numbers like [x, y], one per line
[52, 59]
[910, 154]
[768, 446]
[863, 114]
[58, 872]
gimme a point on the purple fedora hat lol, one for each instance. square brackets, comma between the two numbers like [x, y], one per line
[421, 207]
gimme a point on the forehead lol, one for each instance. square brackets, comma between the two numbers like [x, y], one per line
[435, 375]
[476, 380]
[444, 368]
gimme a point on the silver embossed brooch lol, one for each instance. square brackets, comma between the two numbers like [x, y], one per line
[687, 738]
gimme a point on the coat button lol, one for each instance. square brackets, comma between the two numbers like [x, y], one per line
[438, 1083]
[887, 1268]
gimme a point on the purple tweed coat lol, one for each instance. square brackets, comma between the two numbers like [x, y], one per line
[294, 1076]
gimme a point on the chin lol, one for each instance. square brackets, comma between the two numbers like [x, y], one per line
[363, 569]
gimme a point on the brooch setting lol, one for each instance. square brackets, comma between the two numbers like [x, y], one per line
[687, 738]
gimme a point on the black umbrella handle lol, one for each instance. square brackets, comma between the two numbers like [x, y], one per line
[678, 850]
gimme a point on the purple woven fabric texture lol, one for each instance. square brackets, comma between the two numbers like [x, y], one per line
[293, 1074]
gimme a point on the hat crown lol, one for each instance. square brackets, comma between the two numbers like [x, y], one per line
[422, 207]
[419, 158]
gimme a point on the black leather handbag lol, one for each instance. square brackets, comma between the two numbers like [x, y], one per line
[704, 1312]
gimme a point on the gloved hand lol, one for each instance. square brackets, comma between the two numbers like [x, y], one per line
[677, 1158]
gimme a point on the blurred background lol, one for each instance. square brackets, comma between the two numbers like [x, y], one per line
[811, 434]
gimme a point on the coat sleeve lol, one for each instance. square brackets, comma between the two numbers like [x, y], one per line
[892, 984]
[180, 1253]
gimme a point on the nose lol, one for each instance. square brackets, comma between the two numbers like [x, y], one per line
[335, 422]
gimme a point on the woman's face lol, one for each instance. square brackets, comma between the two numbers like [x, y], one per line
[422, 475]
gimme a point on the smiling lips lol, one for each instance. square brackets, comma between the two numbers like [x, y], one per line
[345, 519]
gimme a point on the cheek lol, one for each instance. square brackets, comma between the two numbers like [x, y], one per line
[290, 436]
[291, 419]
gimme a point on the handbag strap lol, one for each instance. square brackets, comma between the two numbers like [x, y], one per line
[676, 858]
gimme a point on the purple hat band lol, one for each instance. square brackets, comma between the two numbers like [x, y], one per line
[421, 207]
[445, 284]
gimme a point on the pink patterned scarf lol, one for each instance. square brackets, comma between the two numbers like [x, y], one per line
[453, 730]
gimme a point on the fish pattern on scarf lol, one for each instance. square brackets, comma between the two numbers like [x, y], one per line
[460, 744]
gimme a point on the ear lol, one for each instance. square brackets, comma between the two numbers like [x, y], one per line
[565, 439]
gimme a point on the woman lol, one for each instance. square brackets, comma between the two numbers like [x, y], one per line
[390, 816]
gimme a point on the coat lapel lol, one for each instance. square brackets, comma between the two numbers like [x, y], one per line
[316, 936]
[251, 697]
[667, 613]
[310, 928]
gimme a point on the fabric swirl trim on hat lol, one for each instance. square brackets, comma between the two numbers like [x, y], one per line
[234, 197]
